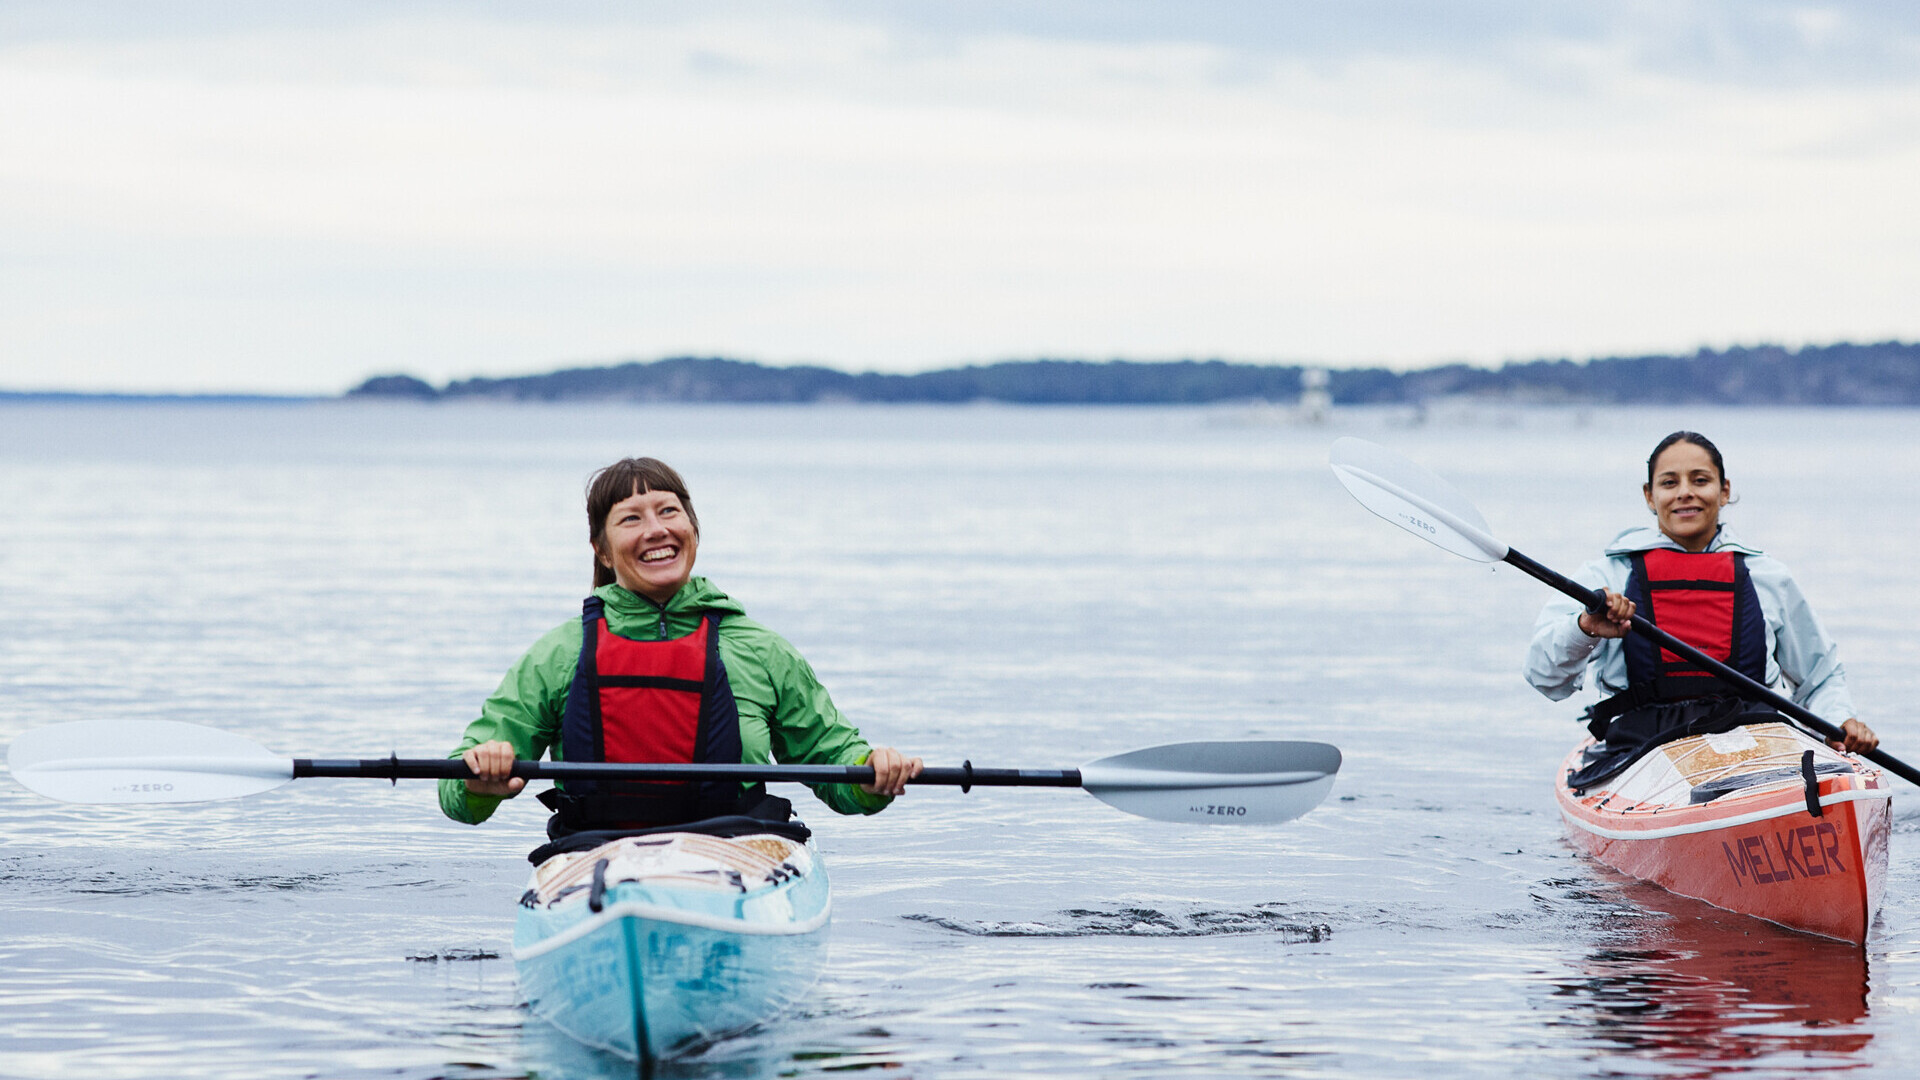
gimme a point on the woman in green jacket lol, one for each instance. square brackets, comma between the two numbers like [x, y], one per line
[648, 609]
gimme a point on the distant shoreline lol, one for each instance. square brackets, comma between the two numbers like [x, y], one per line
[1886, 373]
[1844, 374]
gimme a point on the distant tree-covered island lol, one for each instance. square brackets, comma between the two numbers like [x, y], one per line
[1845, 374]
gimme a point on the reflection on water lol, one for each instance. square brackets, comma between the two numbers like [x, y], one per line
[1706, 992]
[546, 1052]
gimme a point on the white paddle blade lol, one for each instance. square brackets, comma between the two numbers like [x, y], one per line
[1216, 783]
[1414, 499]
[142, 761]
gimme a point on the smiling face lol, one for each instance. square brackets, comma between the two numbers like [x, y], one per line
[1686, 494]
[649, 543]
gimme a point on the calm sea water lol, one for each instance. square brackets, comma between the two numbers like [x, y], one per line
[1018, 587]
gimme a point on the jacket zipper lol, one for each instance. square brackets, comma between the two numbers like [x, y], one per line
[663, 615]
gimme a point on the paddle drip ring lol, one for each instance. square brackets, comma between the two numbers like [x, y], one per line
[966, 776]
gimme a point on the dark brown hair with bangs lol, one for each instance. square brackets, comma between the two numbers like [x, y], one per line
[622, 480]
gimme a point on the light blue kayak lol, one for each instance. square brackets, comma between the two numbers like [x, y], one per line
[653, 946]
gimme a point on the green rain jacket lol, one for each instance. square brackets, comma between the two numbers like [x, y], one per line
[785, 714]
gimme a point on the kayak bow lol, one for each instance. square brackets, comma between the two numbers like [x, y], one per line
[653, 946]
[1764, 820]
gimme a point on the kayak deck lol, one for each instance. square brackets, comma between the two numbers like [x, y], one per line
[1728, 818]
[650, 946]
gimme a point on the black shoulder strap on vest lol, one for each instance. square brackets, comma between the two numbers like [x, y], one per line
[593, 611]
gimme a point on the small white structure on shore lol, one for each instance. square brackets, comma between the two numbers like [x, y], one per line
[1315, 401]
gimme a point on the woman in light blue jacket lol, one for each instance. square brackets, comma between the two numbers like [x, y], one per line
[1746, 602]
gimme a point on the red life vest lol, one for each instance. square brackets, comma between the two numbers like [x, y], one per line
[648, 701]
[1706, 600]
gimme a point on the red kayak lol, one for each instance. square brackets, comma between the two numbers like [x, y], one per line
[1764, 820]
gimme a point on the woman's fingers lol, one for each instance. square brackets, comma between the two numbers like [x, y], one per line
[891, 771]
[884, 760]
[1619, 610]
[492, 765]
[1857, 738]
[490, 760]
[1613, 620]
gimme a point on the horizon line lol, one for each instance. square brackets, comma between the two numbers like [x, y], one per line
[156, 395]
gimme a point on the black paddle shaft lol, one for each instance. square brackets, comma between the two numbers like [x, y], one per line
[398, 768]
[1595, 602]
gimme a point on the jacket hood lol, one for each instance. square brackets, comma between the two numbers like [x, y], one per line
[698, 594]
[1649, 538]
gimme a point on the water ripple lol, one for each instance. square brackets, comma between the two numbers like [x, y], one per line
[1141, 922]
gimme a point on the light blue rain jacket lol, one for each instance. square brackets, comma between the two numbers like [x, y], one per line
[1798, 647]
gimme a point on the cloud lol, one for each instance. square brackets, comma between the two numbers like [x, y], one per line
[295, 197]
[1766, 41]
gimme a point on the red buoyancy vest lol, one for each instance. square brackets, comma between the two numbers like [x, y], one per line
[1706, 600]
[648, 701]
[658, 680]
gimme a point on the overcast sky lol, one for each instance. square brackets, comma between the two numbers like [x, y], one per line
[294, 196]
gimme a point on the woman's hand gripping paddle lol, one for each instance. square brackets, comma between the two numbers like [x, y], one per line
[1429, 507]
[159, 761]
